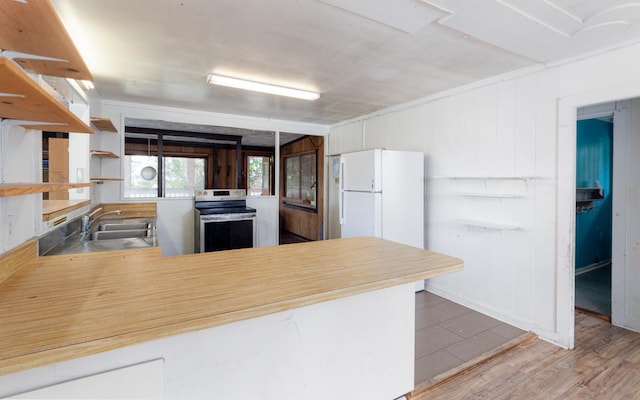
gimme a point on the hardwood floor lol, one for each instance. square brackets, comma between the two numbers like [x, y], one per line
[605, 364]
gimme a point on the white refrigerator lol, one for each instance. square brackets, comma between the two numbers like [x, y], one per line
[382, 194]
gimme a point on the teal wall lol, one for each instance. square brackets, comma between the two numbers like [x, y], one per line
[593, 162]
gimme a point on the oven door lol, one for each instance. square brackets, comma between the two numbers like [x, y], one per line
[226, 232]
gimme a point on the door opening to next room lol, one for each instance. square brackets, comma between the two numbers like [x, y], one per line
[593, 244]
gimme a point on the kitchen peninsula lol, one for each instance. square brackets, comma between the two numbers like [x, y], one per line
[326, 319]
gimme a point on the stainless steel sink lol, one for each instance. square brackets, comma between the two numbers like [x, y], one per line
[90, 246]
[126, 224]
[124, 228]
[112, 234]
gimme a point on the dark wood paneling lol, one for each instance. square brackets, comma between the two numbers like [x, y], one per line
[305, 223]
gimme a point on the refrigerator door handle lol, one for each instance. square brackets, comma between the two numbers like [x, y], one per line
[341, 207]
[341, 197]
[341, 173]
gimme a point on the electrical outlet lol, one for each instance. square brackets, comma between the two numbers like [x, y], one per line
[79, 179]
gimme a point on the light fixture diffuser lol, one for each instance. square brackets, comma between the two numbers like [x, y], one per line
[261, 87]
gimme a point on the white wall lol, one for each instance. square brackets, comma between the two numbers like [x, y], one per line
[267, 219]
[21, 162]
[499, 159]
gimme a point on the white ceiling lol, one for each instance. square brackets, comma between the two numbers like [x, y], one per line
[360, 55]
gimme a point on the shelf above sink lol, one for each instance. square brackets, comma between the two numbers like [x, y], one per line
[22, 99]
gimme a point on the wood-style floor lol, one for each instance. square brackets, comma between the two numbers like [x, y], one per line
[605, 365]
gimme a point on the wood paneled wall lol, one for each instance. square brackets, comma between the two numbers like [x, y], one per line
[299, 221]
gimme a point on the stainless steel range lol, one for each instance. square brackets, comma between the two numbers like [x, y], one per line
[223, 221]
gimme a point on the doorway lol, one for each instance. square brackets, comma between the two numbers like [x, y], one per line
[593, 222]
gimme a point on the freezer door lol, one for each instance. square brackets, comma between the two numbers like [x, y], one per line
[360, 214]
[361, 171]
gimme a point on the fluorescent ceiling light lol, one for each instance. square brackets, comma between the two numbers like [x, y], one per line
[261, 87]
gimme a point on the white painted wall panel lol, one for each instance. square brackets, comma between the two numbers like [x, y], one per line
[506, 128]
[20, 161]
[175, 224]
[632, 223]
[267, 219]
[346, 138]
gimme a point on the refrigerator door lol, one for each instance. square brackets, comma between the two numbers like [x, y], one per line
[360, 214]
[361, 171]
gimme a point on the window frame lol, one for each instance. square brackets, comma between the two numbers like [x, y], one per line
[157, 138]
[259, 153]
[299, 202]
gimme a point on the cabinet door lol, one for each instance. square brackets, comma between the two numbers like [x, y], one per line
[59, 166]
[140, 381]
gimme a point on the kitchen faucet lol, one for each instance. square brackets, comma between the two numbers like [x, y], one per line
[87, 221]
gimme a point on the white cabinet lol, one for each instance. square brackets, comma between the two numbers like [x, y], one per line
[141, 381]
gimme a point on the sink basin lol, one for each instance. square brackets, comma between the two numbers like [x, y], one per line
[125, 225]
[111, 234]
[120, 234]
[124, 228]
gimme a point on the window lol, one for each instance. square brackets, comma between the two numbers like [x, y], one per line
[300, 179]
[182, 176]
[259, 175]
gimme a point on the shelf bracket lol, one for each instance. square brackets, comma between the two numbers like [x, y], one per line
[12, 55]
[2, 94]
[19, 122]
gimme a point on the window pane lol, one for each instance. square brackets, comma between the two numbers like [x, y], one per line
[258, 182]
[182, 176]
[292, 183]
[308, 178]
[134, 184]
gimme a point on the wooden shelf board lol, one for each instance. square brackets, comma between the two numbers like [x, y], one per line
[103, 154]
[54, 208]
[103, 124]
[34, 27]
[106, 179]
[23, 188]
[30, 102]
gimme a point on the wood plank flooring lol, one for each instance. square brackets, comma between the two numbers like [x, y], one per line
[604, 365]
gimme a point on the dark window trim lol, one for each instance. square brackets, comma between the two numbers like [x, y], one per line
[298, 203]
[159, 135]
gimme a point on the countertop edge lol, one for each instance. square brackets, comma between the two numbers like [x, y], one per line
[77, 350]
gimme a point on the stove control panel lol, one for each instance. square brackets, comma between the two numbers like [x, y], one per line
[220, 194]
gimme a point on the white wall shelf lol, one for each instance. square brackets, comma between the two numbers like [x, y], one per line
[489, 195]
[103, 124]
[103, 154]
[521, 178]
[486, 224]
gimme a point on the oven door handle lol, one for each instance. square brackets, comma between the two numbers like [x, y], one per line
[227, 217]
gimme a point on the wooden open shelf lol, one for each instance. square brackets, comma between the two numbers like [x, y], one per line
[34, 27]
[103, 154]
[103, 124]
[101, 180]
[21, 98]
[22, 188]
[52, 209]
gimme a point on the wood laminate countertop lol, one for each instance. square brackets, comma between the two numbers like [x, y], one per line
[58, 308]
